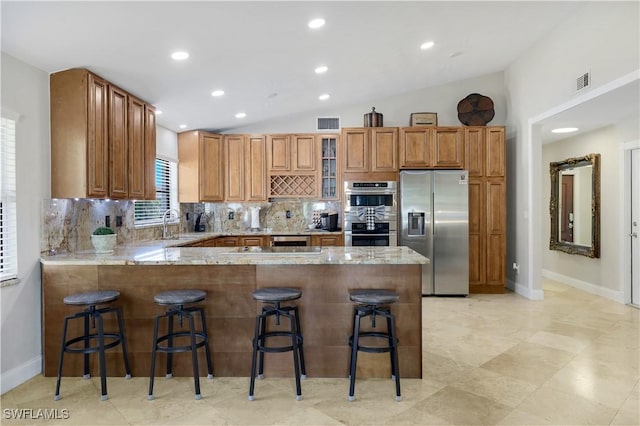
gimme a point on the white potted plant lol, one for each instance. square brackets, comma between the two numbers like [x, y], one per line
[103, 240]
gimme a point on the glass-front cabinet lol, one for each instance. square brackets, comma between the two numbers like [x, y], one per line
[330, 189]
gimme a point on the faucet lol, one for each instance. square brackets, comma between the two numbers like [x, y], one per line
[165, 232]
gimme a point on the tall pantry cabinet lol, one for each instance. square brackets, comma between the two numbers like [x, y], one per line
[102, 139]
[486, 162]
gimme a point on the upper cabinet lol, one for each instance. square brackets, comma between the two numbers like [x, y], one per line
[329, 178]
[245, 168]
[485, 155]
[431, 147]
[292, 165]
[99, 139]
[370, 152]
[200, 170]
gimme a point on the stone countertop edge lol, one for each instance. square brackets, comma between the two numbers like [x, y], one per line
[163, 254]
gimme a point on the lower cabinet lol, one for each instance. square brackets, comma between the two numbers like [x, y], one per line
[327, 240]
[226, 242]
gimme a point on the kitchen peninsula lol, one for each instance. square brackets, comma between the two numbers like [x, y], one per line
[229, 275]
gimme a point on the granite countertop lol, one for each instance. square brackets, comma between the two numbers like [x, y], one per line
[162, 253]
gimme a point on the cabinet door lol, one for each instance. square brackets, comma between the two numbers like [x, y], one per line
[477, 216]
[226, 242]
[118, 145]
[98, 145]
[253, 241]
[415, 148]
[149, 153]
[234, 162]
[496, 232]
[211, 242]
[355, 144]
[255, 169]
[329, 182]
[211, 168]
[136, 148]
[474, 150]
[384, 146]
[448, 148]
[303, 151]
[279, 153]
[326, 240]
[495, 152]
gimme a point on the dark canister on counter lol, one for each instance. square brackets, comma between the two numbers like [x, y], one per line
[373, 118]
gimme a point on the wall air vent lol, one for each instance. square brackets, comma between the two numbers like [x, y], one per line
[583, 81]
[327, 123]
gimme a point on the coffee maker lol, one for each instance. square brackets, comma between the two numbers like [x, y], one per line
[329, 221]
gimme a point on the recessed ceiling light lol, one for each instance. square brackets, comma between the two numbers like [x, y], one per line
[321, 69]
[183, 126]
[241, 115]
[316, 23]
[324, 97]
[565, 130]
[158, 112]
[217, 93]
[179, 56]
[427, 45]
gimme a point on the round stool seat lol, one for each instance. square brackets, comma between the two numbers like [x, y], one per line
[179, 297]
[374, 297]
[276, 294]
[91, 297]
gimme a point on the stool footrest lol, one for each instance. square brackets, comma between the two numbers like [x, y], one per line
[174, 349]
[374, 349]
[274, 349]
[91, 349]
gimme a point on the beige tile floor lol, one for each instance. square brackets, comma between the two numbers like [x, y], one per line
[572, 359]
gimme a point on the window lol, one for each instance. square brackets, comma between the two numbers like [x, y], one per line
[150, 212]
[8, 222]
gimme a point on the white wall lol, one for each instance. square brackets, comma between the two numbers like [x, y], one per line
[25, 91]
[601, 38]
[397, 109]
[166, 144]
[601, 276]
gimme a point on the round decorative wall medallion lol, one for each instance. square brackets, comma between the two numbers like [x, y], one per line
[475, 110]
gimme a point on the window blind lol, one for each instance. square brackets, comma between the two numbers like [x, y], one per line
[150, 211]
[8, 216]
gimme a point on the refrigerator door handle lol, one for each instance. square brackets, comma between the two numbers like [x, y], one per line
[433, 218]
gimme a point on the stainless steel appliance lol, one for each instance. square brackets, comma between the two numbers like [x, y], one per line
[329, 221]
[435, 222]
[290, 240]
[370, 213]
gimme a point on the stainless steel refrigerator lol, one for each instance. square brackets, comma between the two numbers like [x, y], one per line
[434, 212]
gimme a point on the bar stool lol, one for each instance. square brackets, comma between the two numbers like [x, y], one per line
[103, 340]
[272, 297]
[372, 303]
[176, 300]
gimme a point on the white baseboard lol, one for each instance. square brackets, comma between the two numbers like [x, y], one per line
[616, 296]
[17, 376]
[525, 291]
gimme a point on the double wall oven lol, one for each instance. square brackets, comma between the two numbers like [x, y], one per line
[370, 213]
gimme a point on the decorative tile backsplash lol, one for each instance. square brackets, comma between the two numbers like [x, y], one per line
[68, 223]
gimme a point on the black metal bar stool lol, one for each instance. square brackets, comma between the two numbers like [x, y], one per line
[176, 300]
[373, 303]
[103, 340]
[272, 297]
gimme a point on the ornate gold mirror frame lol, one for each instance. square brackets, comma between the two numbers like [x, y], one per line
[555, 170]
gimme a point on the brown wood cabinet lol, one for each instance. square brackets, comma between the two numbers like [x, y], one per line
[245, 168]
[253, 241]
[200, 170]
[99, 139]
[226, 242]
[291, 153]
[327, 240]
[431, 148]
[485, 161]
[370, 153]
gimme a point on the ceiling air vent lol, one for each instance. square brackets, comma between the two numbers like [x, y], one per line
[327, 123]
[583, 81]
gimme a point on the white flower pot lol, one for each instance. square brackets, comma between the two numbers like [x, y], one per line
[104, 243]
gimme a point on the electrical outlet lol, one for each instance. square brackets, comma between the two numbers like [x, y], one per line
[186, 216]
[118, 220]
[516, 267]
[107, 221]
[230, 215]
[288, 214]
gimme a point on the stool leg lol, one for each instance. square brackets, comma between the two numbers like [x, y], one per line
[153, 357]
[354, 356]
[296, 361]
[394, 354]
[62, 350]
[87, 374]
[263, 330]
[123, 341]
[303, 370]
[206, 345]
[170, 345]
[194, 356]
[254, 358]
[103, 364]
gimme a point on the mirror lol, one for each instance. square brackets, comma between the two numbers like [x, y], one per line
[575, 205]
